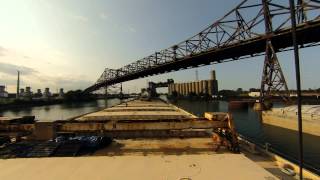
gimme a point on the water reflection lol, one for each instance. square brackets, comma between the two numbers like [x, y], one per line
[60, 111]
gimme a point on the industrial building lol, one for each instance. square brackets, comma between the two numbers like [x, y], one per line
[46, 94]
[61, 93]
[26, 93]
[38, 94]
[3, 92]
[202, 87]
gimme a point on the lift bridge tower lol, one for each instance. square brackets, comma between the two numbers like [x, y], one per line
[273, 81]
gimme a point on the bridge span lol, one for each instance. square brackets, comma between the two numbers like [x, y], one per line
[253, 28]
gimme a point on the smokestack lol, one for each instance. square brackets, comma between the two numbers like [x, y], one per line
[18, 85]
[213, 75]
[197, 75]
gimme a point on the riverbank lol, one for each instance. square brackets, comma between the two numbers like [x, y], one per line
[21, 104]
[307, 100]
[15, 104]
[33, 101]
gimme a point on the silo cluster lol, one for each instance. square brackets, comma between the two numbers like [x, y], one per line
[203, 87]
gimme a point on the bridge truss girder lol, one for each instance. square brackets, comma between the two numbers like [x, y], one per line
[236, 35]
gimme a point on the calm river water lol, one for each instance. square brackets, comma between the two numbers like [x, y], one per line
[247, 123]
[60, 111]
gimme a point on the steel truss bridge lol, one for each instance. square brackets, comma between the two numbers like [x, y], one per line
[252, 28]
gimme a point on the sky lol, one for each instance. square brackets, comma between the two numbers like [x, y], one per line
[68, 43]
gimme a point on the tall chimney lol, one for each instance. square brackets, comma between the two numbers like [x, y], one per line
[197, 75]
[18, 85]
[213, 75]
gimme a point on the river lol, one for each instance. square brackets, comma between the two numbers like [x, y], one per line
[247, 123]
[60, 111]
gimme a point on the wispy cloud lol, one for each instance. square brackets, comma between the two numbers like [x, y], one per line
[69, 82]
[2, 51]
[79, 18]
[132, 29]
[103, 16]
[12, 53]
[12, 69]
[66, 81]
[36, 79]
[123, 27]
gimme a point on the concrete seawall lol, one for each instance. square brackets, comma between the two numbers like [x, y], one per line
[287, 118]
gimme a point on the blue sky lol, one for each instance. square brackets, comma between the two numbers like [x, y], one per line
[68, 43]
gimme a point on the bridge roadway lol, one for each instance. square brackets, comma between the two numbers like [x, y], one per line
[307, 34]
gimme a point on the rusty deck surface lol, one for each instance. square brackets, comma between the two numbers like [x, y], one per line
[141, 159]
[171, 167]
[139, 110]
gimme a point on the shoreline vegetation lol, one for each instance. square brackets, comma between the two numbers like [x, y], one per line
[79, 96]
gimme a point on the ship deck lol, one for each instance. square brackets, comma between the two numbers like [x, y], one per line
[156, 167]
[158, 155]
[139, 110]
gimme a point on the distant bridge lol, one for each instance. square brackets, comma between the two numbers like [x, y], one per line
[253, 28]
[161, 84]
